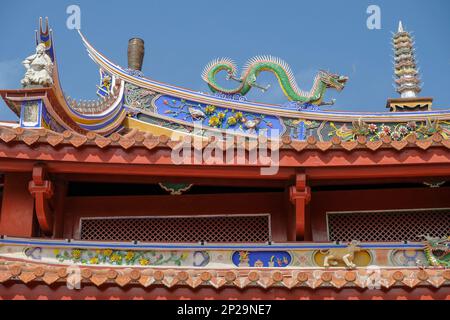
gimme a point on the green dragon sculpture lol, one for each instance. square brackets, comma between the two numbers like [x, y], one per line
[281, 70]
[437, 251]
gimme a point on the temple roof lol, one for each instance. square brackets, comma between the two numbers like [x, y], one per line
[134, 111]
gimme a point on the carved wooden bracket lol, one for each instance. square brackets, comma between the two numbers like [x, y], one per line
[42, 191]
[300, 196]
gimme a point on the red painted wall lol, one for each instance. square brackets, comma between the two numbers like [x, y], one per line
[386, 199]
[210, 204]
[17, 215]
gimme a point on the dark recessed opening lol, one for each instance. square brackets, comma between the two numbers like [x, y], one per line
[409, 185]
[80, 189]
[388, 225]
[235, 228]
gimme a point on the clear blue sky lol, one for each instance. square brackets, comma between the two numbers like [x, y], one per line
[182, 36]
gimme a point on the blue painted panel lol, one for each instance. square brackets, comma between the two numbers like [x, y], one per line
[217, 117]
[260, 259]
[34, 114]
[301, 131]
[103, 89]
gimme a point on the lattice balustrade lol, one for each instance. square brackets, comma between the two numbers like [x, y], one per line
[388, 225]
[249, 228]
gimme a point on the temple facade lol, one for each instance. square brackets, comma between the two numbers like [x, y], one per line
[157, 191]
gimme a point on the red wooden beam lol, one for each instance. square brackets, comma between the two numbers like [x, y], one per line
[162, 156]
[42, 191]
[237, 172]
[200, 171]
[300, 196]
[374, 172]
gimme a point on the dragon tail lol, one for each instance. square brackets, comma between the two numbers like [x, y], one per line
[214, 67]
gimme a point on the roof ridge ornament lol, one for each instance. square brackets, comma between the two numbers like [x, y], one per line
[40, 66]
[407, 80]
[39, 69]
[400, 26]
[323, 80]
[405, 66]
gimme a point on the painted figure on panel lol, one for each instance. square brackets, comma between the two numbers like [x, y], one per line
[341, 254]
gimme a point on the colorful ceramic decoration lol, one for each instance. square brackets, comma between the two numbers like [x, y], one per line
[223, 255]
[261, 259]
[280, 69]
[437, 251]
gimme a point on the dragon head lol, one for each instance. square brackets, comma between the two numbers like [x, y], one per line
[439, 247]
[332, 80]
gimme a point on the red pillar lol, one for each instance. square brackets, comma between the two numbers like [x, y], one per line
[17, 213]
[300, 195]
[291, 232]
[59, 199]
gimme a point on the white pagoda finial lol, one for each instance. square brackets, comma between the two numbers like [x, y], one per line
[406, 71]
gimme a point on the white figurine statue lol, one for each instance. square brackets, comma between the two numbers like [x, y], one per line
[39, 69]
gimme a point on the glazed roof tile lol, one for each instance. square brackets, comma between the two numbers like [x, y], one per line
[218, 278]
[139, 139]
